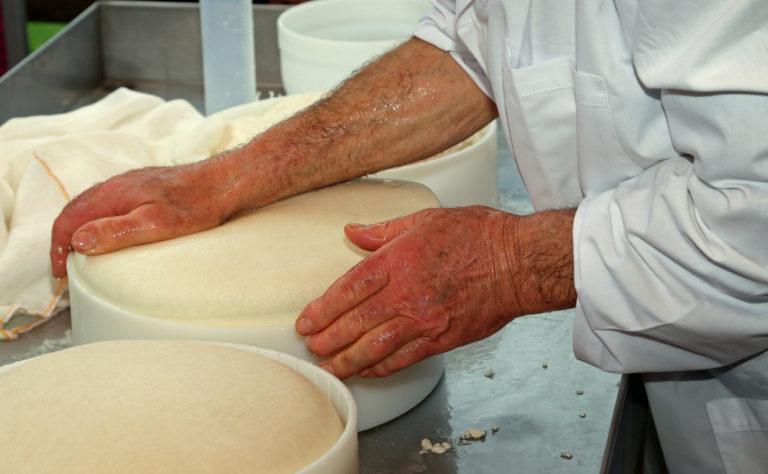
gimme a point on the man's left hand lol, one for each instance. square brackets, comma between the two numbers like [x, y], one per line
[436, 280]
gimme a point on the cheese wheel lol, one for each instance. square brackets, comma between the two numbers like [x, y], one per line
[240, 130]
[260, 269]
[161, 406]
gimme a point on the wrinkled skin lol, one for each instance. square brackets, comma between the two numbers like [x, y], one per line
[437, 279]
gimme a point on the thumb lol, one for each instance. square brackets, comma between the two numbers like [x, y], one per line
[371, 237]
[145, 224]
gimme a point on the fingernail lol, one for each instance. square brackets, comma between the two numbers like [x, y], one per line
[355, 226]
[84, 241]
[328, 368]
[304, 326]
[365, 373]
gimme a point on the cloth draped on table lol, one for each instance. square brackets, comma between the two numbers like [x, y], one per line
[47, 160]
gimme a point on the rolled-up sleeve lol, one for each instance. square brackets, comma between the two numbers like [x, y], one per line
[440, 27]
[672, 264]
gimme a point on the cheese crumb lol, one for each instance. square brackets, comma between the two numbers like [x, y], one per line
[473, 434]
[437, 448]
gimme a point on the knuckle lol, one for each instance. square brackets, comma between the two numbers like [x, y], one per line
[109, 187]
[313, 345]
[312, 310]
[353, 322]
[438, 326]
[379, 348]
[161, 215]
[382, 369]
[344, 358]
[347, 288]
[318, 344]
[110, 228]
[345, 362]
[358, 320]
[59, 233]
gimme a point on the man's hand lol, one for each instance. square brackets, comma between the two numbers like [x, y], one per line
[438, 279]
[140, 206]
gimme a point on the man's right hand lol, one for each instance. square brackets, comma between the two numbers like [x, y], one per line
[140, 206]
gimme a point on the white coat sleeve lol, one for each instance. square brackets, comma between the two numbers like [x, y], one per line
[672, 265]
[440, 28]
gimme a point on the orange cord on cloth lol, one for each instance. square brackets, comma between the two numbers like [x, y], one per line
[46, 160]
[38, 317]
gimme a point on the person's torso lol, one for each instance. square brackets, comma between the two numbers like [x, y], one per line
[577, 117]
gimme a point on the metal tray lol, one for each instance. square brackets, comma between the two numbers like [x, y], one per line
[152, 47]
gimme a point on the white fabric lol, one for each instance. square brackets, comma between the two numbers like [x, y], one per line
[741, 429]
[669, 238]
[49, 159]
[713, 421]
[46, 160]
[649, 115]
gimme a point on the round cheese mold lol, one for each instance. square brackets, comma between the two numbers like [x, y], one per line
[246, 282]
[174, 406]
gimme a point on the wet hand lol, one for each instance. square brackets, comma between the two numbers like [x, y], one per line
[140, 206]
[436, 280]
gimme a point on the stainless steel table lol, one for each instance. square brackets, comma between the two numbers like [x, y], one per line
[544, 402]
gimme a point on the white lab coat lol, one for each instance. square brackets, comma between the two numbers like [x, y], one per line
[651, 116]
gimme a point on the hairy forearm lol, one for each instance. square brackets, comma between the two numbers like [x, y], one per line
[407, 105]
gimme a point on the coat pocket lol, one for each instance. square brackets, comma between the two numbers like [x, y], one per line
[603, 162]
[540, 109]
[741, 430]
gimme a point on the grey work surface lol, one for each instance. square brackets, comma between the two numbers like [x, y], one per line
[537, 409]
